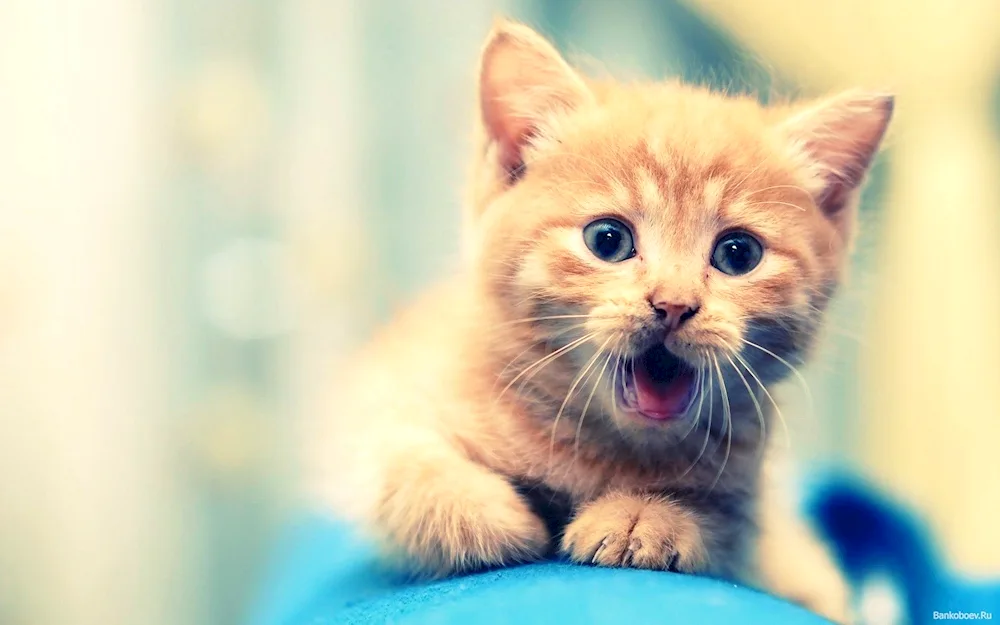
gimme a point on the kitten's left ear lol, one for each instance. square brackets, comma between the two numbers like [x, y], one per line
[835, 142]
[522, 82]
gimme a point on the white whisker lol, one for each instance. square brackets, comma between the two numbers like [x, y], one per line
[708, 428]
[727, 423]
[801, 378]
[778, 186]
[531, 347]
[541, 362]
[569, 394]
[777, 409]
[763, 202]
[701, 401]
[547, 318]
[756, 405]
[586, 406]
[614, 388]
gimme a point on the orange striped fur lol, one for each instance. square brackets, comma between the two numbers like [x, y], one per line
[502, 381]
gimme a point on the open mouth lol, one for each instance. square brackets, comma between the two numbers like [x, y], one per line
[656, 384]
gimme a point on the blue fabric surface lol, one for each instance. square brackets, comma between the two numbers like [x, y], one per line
[325, 576]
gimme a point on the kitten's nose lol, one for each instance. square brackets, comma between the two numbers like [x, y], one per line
[673, 314]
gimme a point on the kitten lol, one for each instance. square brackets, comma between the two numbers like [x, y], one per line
[643, 261]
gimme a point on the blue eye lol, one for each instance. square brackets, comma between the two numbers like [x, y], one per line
[609, 239]
[737, 253]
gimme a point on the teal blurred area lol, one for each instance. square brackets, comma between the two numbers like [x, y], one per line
[205, 207]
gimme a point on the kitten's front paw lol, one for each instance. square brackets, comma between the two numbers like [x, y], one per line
[451, 516]
[640, 531]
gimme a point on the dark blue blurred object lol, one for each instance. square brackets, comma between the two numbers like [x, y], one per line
[875, 537]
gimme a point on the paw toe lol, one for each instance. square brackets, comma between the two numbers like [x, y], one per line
[611, 550]
[648, 534]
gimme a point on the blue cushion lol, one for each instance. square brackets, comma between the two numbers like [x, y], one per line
[325, 575]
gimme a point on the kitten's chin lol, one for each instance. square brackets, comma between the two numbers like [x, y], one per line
[656, 386]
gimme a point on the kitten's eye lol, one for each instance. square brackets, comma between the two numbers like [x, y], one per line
[609, 239]
[737, 253]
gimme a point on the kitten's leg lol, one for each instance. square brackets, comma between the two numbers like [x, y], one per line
[793, 563]
[637, 530]
[442, 513]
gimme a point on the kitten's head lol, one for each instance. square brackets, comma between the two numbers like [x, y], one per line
[662, 236]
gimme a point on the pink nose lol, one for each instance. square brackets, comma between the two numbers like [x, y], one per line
[673, 314]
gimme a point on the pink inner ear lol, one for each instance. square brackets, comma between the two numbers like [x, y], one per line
[499, 82]
[510, 131]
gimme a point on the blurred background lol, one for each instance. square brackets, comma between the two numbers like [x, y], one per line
[204, 206]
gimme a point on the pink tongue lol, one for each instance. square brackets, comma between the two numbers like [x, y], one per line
[661, 401]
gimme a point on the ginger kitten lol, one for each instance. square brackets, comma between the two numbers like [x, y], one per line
[644, 259]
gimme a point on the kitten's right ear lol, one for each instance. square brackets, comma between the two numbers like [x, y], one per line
[834, 143]
[522, 81]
